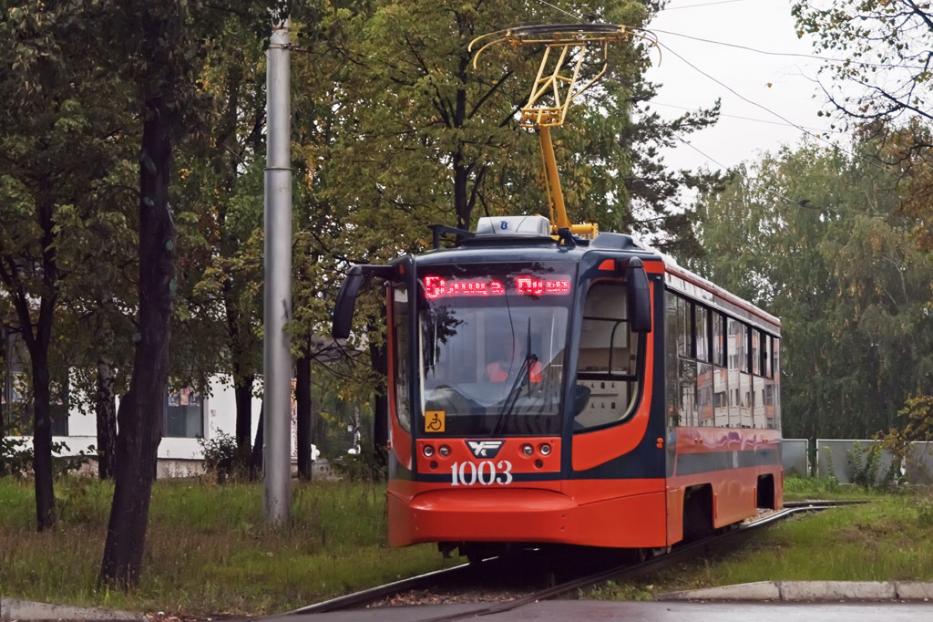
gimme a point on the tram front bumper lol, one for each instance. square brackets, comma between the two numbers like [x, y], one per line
[525, 515]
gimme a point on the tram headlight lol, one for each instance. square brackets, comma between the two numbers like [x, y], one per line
[444, 450]
[545, 449]
[527, 449]
[428, 451]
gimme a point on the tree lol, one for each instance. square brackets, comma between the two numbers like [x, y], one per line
[887, 45]
[59, 125]
[408, 105]
[221, 178]
[394, 130]
[822, 240]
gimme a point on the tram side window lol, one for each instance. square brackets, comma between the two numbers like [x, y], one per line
[701, 328]
[671, 371]
[765, 354]
[704, 395]
[736, 348]
[683, 332]
[719, 330]
[608, 356]
[737, 345]
[682, 398]
[400, 327]
[720, 397]
[776, 372]
[755, 352]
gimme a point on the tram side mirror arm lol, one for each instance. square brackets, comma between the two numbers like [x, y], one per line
[639, 296]
[346, 300]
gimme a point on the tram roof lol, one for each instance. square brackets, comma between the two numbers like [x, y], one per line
[519, 248]
[524, 248]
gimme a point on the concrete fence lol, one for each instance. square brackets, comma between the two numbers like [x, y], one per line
[795, 453]
[841, 458]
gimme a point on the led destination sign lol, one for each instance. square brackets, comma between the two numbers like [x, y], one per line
[524, 285]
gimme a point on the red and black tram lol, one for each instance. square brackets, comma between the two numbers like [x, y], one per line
[549, 389]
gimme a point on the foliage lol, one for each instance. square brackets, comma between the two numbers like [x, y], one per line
[888, 538]
[208, 550]
[915, 424]
[887, 47]
[220, 455]
[823, 240]
[363, 466]
[866, 463]
[811, 488]
[16, 458]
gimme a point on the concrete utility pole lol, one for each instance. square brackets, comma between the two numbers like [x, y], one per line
[277, 307]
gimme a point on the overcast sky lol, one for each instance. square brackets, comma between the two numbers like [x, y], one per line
[762, 24]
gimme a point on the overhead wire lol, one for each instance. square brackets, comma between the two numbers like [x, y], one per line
[703, 153]
[700, 4]
[748, 100]
[753, 102]
[749, 48]
[731, 116]
[564, 11]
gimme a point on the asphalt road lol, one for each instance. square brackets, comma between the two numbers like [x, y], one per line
[587, 610]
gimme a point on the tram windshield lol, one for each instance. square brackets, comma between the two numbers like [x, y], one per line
[492, 349]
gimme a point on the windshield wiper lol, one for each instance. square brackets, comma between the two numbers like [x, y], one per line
[524, 373]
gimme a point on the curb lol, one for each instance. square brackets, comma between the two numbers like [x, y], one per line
[810, 591]
[12, 610]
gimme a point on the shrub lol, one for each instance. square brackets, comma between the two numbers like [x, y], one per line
[16, 458]
[364, 466]
[865, 466]
[220, 456]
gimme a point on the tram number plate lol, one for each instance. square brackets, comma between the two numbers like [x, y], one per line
[484, 473]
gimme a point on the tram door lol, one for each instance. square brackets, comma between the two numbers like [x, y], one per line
[608, 360]
[611, 402]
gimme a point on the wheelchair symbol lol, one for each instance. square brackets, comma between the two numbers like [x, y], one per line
[434, 421]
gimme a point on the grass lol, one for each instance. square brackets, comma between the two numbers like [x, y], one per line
[207, 549]
[801, 488]
[888, 538]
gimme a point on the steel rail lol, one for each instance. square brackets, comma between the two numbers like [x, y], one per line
[373, 594]
[628, 569]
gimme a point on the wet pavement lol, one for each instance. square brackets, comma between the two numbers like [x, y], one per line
[586, 610]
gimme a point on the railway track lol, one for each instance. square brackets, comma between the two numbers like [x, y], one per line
[467, 573]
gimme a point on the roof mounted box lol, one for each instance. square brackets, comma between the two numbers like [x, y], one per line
[536, 226]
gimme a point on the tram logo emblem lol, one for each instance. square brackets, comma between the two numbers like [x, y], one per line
[484, 449]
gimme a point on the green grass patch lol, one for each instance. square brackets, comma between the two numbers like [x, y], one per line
[802, 488]
[207, 549]
[888, 538]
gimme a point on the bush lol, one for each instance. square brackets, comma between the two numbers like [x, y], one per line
[16, 458]
[865, 466]
[220, 456]
[365, 466]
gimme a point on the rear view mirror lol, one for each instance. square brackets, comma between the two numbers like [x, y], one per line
[639, 303]
[346, 303]
[346, 300]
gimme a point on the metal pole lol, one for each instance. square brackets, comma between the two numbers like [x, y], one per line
[277, 361]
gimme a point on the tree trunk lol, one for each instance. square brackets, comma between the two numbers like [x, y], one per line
[37, 336]
[255, 461]
[140, 413]
[243, 393]
[106, 411]
[42, 441]
[4, 372]
[303, 407]
[461, 205]
[377, 357]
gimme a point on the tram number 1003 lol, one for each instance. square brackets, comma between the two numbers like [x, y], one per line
[484, 473]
